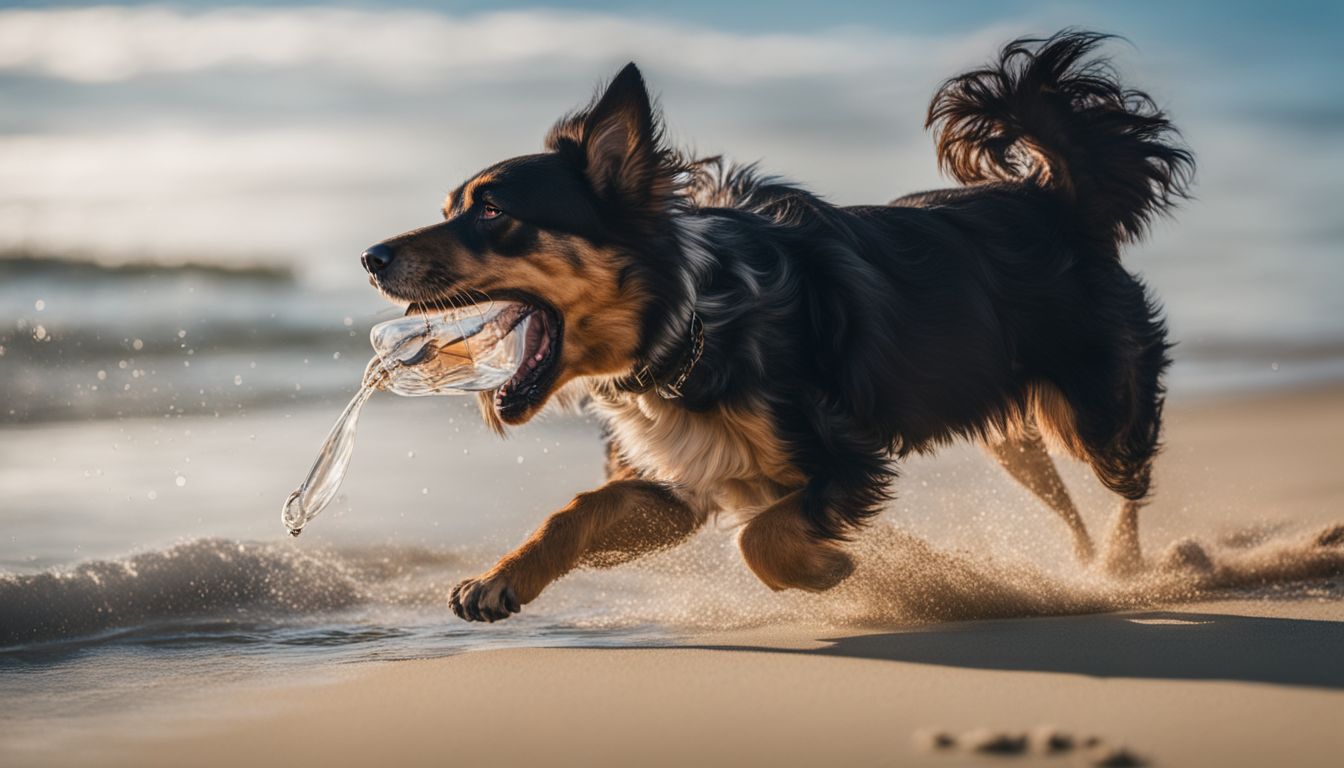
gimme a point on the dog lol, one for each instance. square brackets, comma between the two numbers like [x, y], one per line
[754, 350]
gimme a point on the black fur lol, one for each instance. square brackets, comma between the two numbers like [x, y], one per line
[873, 332]
[1106, 146]
[877, 331]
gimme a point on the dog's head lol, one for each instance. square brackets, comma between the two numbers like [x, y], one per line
[581, 234]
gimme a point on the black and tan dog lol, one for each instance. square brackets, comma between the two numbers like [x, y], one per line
[755, 350]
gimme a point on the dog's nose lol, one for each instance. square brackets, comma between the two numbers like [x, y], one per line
[376, 258]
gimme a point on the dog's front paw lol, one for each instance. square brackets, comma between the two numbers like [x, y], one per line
[485, 598]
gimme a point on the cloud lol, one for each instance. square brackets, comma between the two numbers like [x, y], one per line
[109, 44]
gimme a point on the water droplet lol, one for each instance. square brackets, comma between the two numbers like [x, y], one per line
[1273, 366]
[152, 495]
[102, 375]
[40, 305]
[39, 332]
[121, 364]
[181, 334]
[237, 381]
[410, 454]
[181, 481]
[137, 345]
[349, 321]
[520, 459]
[424, 491]
[252, 364]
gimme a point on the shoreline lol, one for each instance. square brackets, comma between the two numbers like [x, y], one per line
[1213, 684]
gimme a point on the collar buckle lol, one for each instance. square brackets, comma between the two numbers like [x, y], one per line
[644, 379]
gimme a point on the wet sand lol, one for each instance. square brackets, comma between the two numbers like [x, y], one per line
[1252, 678]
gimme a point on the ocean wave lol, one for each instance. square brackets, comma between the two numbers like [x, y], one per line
[95, 342]
[210, 579]
[20, 265]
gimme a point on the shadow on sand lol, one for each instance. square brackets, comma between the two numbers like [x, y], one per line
[1165, 645]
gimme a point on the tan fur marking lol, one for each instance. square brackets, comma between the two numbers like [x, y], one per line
[614, 524]
[1055, 417]
[486, 402]
[601, 315]
[469, 191]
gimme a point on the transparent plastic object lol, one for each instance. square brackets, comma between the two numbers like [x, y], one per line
[470, 349]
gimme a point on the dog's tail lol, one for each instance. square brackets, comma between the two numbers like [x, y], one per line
[1049, 113]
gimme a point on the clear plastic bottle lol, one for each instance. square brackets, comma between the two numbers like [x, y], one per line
[468, 350]
[464, 350]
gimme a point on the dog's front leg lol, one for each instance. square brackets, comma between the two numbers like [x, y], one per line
[616, 523]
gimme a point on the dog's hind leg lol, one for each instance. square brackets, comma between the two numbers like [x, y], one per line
[1113, 420]
[782, 550]
[616, 523]
[1120, 443]
[1025, 458]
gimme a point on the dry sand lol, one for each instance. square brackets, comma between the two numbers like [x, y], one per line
[1252, 681]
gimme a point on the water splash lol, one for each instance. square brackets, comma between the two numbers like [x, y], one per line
[702, 586]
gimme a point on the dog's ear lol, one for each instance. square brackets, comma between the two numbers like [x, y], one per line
[615, 140]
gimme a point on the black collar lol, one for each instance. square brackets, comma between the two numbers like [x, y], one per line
[668, 378]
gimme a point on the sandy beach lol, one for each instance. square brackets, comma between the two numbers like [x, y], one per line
[1249, 676]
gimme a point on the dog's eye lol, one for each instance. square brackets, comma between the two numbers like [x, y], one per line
[490, 212]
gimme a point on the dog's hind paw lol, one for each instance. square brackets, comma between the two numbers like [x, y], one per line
[486, 598]
[1187, 556]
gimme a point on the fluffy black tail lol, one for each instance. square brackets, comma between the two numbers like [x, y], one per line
[1048, 112]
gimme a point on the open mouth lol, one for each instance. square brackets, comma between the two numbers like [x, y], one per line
[537, 371]
[535, 375]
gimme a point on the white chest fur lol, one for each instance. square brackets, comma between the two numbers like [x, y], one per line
[724, 459]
